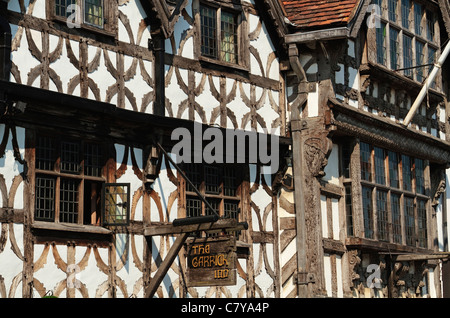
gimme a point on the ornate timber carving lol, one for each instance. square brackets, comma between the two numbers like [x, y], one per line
[439, 191]
[354, 261]
[316, 151]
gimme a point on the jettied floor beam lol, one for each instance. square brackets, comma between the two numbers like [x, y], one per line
[183, 228]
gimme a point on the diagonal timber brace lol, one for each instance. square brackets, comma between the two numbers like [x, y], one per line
[183, 233]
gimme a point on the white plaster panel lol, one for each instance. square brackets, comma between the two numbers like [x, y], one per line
[323, 210]
[101, 77]
[180, 34]
[38, 9]
[175, 95]
[91, 276]
[129, 176]
[63, 63]
[328, 274]
[129, 273]
[10, 265]
[9, 167]
[335, 218]
[24, 60]
[313, 103]
[50, 275]
[207, 101]
[164, 187]
[135, 13]
[332, 168]
[262, 279]
[340, 288]
[238, 107]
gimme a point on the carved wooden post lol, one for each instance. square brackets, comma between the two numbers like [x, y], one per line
[311, 147]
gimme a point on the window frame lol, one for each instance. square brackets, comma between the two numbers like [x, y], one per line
[393, 216]
[242, 41]
[109, 27]
[96, 180]
[219, 197]
[126, 220]
[417, 13]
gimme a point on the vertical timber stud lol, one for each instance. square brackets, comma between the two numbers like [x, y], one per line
[165, 265]
[297, 159]
[5, 42]
[310, 148]
[157, 45]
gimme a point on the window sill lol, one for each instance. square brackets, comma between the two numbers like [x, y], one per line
[83, 30]
[67, 227]
[381, 246]
[230, 67]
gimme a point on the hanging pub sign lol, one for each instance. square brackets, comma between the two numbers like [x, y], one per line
[211, 262]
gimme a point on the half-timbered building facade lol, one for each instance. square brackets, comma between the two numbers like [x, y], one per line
[96, 97]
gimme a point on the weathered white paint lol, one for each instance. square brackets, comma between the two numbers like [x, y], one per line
[328, 274]
[313, 102]
[332, 168]
[323, 210]
[339, 278]
[10, 264]
[335, 218]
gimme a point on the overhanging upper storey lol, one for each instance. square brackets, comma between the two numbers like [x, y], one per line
[312, 20]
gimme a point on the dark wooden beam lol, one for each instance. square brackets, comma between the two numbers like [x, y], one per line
[170, 229]
[164, 267]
